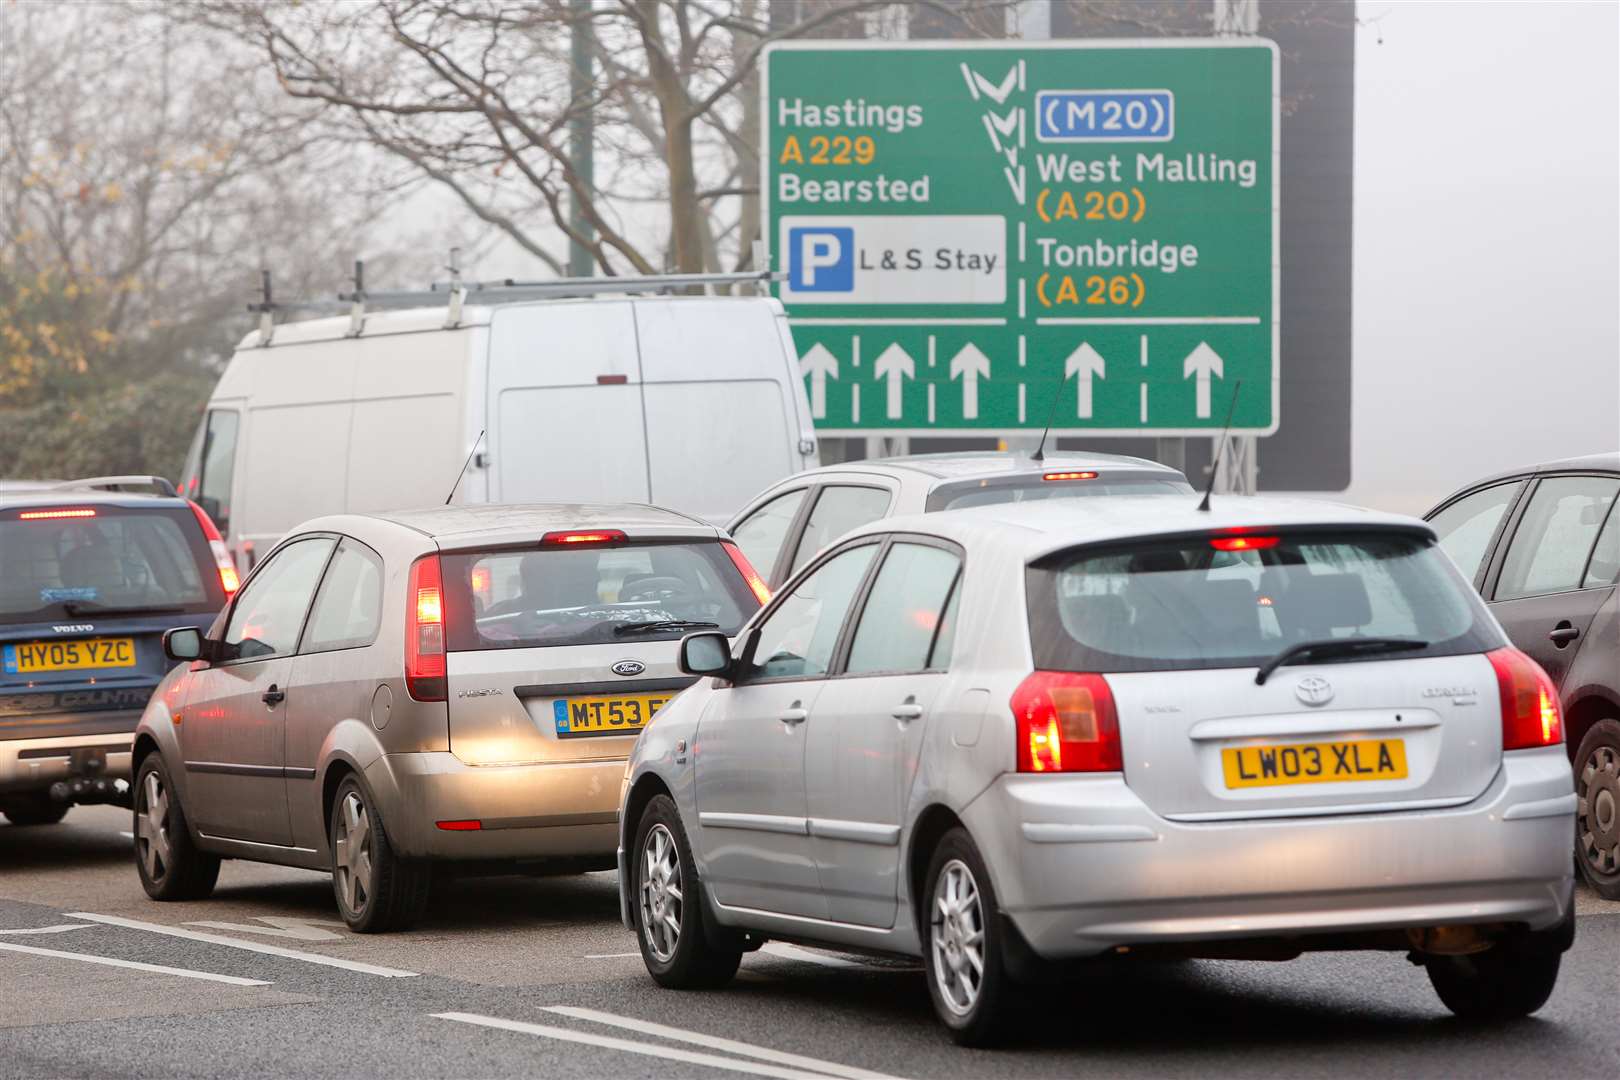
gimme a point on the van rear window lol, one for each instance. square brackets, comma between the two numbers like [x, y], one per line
[636, 591]
[1216, 602]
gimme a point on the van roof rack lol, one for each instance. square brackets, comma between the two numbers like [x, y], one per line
[162, 485]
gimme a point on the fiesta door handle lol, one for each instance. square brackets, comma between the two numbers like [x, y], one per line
[273, 696]
[908, 710]
[1563, 634]
[794, 715]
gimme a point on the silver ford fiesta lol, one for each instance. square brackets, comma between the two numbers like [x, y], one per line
[1014, 739]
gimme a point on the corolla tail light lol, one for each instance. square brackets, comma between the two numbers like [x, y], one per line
[228, 579]
[1066, 723]
[1530, 712]
[756, 584]
[424, 631]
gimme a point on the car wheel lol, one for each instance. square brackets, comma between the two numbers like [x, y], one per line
[962, 947]
[1597, 814]
[376, 889]
[170, 864]
[34, 810]
[1509, 980]
[668, 907]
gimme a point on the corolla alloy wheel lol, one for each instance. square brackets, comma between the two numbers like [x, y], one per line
[352, 853]
[1598, 815]
[661, 893]
[152, 828]
[958, 937]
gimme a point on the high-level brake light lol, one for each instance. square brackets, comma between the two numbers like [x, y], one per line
[1530, 710]
[228, 578]
[1066, 722]
[1069, 476]
[585, 536]
[756, 584]
[424, 631]
[1243, 543]
[55, 515]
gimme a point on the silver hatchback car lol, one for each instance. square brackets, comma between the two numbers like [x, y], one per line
[460, 685]
[1006, 738]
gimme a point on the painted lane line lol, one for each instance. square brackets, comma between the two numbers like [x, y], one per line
[793, 952]
[610, 955]
[133, 965]
[629, 1046]
[249, 946]
[714, 1042]
[48, 929]
[297, 929]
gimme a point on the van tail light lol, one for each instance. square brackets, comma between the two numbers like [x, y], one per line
[216, 544]
[1066, 723]
[1530, 712]
[756, 584]
[424, 631]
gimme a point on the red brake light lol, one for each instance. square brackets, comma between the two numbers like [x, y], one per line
[593, 536]
[216, 544]
[55, 515]
[424, 631]
[1243, 543]
[1530, 712]
[756, 584]
[1066, 723]
[1069, 476]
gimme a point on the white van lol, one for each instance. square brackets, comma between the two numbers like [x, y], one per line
[689, 402]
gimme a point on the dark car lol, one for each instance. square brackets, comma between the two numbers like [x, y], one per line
[1542, 545]
[91, 575]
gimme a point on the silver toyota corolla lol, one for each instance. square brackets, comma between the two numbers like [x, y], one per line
[459, 684]
[1006, 738]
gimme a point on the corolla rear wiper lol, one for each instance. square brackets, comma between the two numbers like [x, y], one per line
[656, 625]
[74, 607]
[1322, 650]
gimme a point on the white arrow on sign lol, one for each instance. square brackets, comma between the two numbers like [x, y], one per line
[1087, 363]
[893, 364]
[996, 93]
[970, 365]
[1203, 362]
[820, 365]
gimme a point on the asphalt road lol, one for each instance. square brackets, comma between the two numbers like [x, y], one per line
[535, 977]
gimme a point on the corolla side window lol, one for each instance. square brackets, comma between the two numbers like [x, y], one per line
[799, 636]
[839, 509]
[904, 614]
[762, 533]
[1466, 526]
[270, 611]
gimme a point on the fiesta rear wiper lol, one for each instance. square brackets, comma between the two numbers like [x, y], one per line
[75, 607]
[1322, 650]
[655, 625]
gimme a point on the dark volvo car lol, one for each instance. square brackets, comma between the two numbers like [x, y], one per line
[1542, 545]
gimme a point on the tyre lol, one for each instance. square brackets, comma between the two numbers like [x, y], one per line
[1597, 814]
[1509, 980]
[667, 906]
[962, 944]
[377, 890]
[170, 864]
[35, 809]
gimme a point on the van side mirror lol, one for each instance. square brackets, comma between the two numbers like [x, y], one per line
[705, 653]
[183, 643]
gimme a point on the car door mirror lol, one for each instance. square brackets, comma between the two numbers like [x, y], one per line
[706, 653]
[183, 643]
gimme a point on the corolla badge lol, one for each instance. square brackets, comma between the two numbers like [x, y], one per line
[628, 667]
[1314, 690]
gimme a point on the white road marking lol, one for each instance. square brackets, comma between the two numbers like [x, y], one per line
[629, 1046]
[793, 952]
[250, 946]
[609, 955]
[157, 969]
[827, 1068]
[48, 929]
[297, 929]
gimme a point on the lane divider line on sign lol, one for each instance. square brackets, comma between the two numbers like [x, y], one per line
[715, 1042]
[630, 1046]
[133, 965]
[49, 929]
[249, 946]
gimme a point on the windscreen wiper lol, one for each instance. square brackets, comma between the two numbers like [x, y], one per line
[656, 625]
[1322, 650]
[74, 607]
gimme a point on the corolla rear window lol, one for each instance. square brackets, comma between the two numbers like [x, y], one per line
[82, 560]
[591, 595]
[1035, 488]
[1213, 602]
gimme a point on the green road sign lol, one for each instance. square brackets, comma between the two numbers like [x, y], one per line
[976, 235]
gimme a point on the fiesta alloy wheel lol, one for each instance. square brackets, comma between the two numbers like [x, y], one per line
[169, 863]
[376, 889]
[1597, 812]
[668, 906]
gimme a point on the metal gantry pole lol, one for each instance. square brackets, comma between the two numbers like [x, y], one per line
[1238, 470]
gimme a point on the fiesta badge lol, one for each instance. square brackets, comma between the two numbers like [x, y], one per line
[1314, 690]
[628, 667]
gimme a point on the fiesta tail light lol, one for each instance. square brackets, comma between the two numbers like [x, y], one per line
[586, 536]
[756, 584]
[1066, 722]
[1069, 476]
[228, 578]
[1530, 712]
[56, 515]
[1243, 543]
[424, 631]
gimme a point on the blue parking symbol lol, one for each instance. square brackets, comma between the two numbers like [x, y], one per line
[821, 259]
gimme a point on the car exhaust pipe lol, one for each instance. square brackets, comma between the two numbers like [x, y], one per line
[1451, 940]
[89, 790]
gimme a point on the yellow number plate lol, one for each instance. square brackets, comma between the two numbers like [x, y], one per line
[31, 656]
[608, 715]
[1314, 763]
